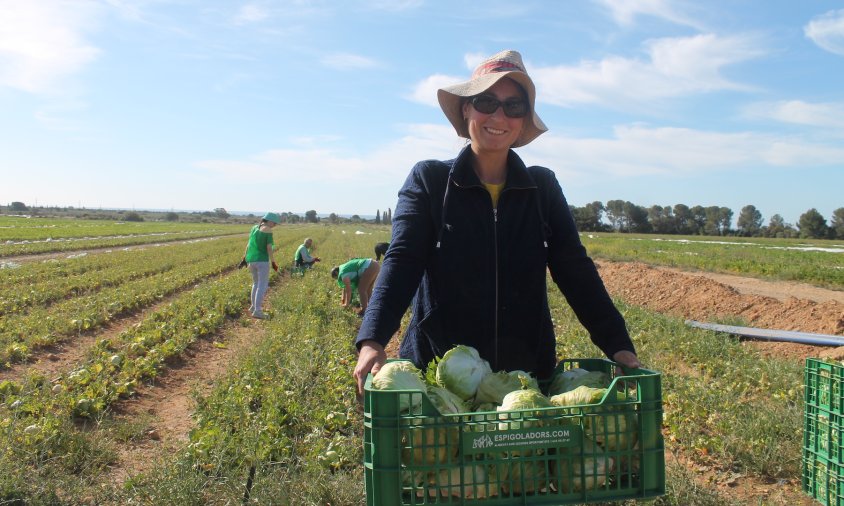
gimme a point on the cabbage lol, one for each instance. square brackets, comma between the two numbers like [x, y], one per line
[534, 474]
[579, 396]
[613, 426]
[573, 378]
[474, 485]
[517, 400]
[584, 472]
[427, 444]
[446, 402]
[401, 375]
[493, 387]
[461, 370]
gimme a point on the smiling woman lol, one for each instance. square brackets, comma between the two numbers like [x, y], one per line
[473, 238]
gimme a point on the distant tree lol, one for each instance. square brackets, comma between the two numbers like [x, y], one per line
[18, 206]
[812, 225]
[749, 221]
[221, 212]
[588, 217]
[837, 224]
[637, 218]
[713, 221]
[311, 216]
[699, 220]
[684, 222]
[133, 216]
[662, 219]
[171, 216]
[378, 217]
[725, 219]
[355, 218]
[615, 215]
[777, 227]
[333, 218]
[389, 219]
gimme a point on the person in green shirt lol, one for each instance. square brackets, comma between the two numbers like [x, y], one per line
[259, 258]
[302, 258]
[357, 274]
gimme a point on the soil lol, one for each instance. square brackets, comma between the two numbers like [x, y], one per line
[711, 297]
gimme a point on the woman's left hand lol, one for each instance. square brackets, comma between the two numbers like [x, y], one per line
[627, 359]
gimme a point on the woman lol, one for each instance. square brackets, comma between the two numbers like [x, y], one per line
[259, 257]
[357, 274]
[473, 236]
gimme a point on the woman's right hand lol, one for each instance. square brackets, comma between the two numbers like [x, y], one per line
[370, 359]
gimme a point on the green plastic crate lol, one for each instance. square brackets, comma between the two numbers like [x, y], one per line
[824, 385]
[822, 433]
[823, 479]
[596, 453]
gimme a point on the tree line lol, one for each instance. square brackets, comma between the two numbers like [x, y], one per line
[625, 216]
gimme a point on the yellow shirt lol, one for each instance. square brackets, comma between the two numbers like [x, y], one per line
[494, 192]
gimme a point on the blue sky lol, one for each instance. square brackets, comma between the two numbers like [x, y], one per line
[326, 105]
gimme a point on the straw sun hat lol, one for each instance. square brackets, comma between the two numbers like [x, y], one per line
[507, 63]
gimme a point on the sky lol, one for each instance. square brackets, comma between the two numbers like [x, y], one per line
[297, 105]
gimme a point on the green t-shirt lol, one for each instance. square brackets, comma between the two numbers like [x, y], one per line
[256, 249]
[352, 270]
[302, 254]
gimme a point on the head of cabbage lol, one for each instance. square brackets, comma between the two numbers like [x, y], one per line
[401, 375]
[461, 370]
[519, 400]
[567, 381]
[493, 387]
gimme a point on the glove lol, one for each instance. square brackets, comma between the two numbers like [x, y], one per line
[242, 263]
[275, 266]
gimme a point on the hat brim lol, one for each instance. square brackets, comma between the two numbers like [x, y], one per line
[451, 100]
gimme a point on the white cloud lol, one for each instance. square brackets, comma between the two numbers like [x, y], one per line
[673, 67]
[827, 31]
[826, 115]
[325, 165]
[633, 150]
[425, 92]
[348, 61]
[624, 12]
[638, 150]
[250, 13]
[42, 42]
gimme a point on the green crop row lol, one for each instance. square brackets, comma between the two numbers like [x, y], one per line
[819, 263]
[47, 288]
[33, 248]
[38, 229]
[282, 427]
[35, 413]
[21, 333]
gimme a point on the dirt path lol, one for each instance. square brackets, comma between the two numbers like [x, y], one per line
[167, 403]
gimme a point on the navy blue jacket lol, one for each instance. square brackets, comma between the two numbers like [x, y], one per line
[479, 273]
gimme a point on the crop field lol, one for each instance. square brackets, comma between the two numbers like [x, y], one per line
[26, 236]
[816, 262]
[87, 337]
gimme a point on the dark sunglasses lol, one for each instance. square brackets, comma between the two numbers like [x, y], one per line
[513, 107]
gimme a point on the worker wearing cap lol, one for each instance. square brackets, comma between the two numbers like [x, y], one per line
[259, 258]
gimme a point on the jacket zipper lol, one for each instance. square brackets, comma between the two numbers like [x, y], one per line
[495, 245]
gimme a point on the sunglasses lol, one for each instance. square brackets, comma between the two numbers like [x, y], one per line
[513, 107]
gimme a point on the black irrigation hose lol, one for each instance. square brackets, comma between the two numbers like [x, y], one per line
[249, 482]
[772, 335]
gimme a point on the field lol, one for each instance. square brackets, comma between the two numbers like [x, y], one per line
[130, 372]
